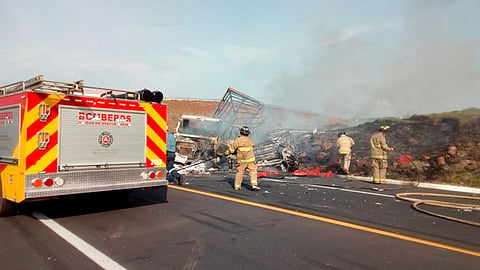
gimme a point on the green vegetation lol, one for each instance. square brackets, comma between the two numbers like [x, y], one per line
[463, 179]
[464, 116]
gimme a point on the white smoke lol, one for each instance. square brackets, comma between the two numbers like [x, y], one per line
[427, 62]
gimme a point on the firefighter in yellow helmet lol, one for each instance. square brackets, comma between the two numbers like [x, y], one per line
[344, 145]
[378, 153]
[242, 146]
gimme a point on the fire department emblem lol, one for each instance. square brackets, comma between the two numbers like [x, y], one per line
[105, 139]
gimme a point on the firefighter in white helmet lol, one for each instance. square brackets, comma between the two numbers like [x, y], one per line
[242, 147]
[344, 145]
[378, 153]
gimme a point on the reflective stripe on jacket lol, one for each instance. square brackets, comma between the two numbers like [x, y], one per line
[243, 146]
[344, 144]
[378, 146]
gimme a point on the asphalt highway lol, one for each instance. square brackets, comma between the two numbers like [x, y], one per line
[291, 223]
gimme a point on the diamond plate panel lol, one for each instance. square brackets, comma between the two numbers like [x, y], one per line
[93, 181]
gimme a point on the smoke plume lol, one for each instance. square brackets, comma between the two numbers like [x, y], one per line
[425, 62]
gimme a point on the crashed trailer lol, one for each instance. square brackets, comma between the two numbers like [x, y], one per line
[239, 109]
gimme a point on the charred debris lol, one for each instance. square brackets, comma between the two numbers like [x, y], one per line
[436, 148]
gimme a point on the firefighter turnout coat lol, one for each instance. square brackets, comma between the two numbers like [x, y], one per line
[242, 146]
[378, 146]
[344, 144]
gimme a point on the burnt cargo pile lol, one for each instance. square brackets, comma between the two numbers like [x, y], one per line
[433, 148]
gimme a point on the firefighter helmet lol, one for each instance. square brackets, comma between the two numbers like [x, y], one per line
[244, 130]
[384, 128]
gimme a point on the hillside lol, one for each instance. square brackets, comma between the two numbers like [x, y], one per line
[177, 107]
[443, 147]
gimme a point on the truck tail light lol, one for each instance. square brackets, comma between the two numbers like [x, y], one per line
[37, 182]
[59, 181]
[48, 182]
[151, 175]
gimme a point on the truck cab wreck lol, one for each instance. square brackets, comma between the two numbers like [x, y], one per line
[199, 137]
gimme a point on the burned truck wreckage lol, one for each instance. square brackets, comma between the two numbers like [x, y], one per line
[436, 148]
[201, 139]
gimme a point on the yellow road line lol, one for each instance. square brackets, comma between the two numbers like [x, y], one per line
[332, 221]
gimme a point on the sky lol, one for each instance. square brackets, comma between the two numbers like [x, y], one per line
[344, 59]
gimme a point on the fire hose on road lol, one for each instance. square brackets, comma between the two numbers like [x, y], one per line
[461, 206]
[417, 202]
[196, 163]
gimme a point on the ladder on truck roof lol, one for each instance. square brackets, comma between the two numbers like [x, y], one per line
[37, 83]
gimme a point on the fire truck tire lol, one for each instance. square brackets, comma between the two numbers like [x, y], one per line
[7, 207]
[163, 193]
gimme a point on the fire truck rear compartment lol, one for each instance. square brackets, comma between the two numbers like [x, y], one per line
[97, 155]
[87, 140]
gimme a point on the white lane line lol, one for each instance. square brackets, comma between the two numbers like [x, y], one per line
[354, 191]
[336, 188]
[94, 254]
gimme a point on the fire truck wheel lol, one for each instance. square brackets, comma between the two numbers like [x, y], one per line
[7, 208]
[163, 193]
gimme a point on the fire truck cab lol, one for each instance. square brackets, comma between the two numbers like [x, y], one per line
[62, 138]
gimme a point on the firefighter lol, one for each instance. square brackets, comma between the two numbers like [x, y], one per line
[171, 149]
[378, 153]
[242, 147]
[344, 145]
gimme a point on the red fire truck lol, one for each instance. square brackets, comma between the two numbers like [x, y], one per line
[61, 138]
